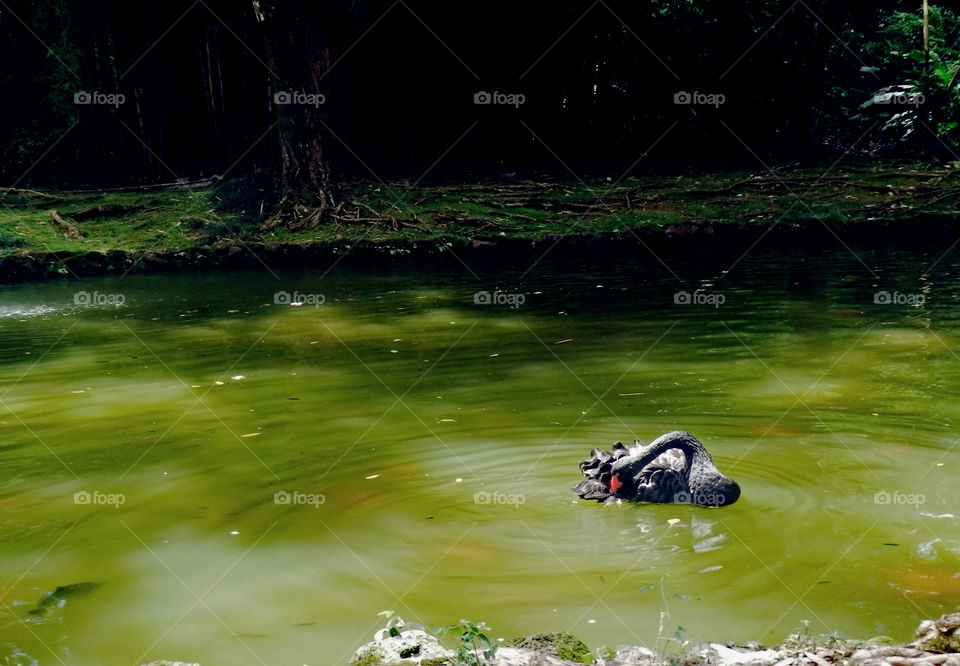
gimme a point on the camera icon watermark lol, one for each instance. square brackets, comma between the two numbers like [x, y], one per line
[297, 498]
[283, 97]
[702, 499]
[482, 97]
[87, 299]
[900, 98]
[498, 298]
[97, 498]
[97, 98]
[696, 98]
[496, 497]
[885, 497]
[896, 298]
[298, 298]
[698, 297]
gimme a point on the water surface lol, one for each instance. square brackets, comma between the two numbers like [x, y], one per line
[427, 445]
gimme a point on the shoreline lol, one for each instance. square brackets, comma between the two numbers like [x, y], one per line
[237, 223]
[702, 238]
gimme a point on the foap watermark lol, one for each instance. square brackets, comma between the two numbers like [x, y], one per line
[697, 98]
[703, 499]
[498, 98]
[97, 498]
[97, 98]
[298, 298]
[897, 298]
[699, 297]
[896, 497]
[299, 97]
[496, 497]
[899, 98]
[297, 498]
[96, 298]
[498, 298]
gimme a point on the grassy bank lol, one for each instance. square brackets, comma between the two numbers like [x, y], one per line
[208, 220]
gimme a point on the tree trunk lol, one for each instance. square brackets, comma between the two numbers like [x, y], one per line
[298, 56]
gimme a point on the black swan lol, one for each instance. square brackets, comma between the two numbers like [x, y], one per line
[673, 468]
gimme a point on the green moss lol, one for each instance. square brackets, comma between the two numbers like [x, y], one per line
[239, 211]
[369, 659]
[10, 240]
[564, 646]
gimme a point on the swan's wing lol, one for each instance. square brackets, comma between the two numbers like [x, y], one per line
[599, 458]
[592, 489]
[662, 485]
[663, 478]
[670, 460]
[597, 469]
[659, 481]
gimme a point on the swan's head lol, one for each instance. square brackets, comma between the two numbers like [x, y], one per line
[728, 489]
[714, 490]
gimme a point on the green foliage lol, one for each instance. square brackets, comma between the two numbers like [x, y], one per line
[473, 645]
[41, 86]
[918, 101]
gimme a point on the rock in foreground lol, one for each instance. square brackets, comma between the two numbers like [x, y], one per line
[937, 644]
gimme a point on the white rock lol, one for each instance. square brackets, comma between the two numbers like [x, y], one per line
[730, 656]
[413, 646]
[629, 654]
[510, 656]
[410, 647]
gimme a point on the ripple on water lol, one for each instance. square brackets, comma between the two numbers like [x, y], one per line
[24, 311]
[769, 486]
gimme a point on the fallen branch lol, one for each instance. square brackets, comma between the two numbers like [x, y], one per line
[69, 228]
[414, 226]
[182, 184]
[31, 193]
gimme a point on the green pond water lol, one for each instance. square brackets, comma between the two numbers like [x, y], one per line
[250, 482]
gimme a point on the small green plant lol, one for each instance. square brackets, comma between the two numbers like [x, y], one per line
[833, 639]
[474, 646]
[395, 625]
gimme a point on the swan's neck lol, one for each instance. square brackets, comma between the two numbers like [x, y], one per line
[691, 448]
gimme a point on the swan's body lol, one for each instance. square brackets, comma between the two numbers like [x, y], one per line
[673, 468]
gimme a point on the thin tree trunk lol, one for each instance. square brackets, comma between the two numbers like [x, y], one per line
[299, 55]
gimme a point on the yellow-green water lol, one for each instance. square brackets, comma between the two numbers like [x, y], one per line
[403, 405]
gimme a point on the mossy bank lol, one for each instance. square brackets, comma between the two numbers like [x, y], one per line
[241, 223]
